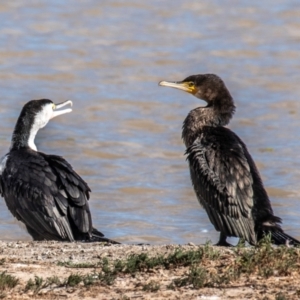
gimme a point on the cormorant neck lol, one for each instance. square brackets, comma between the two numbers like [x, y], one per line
[217, 113]
[25, 132]
[223, 109]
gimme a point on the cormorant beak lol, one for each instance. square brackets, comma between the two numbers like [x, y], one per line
[61, 112]
[184, 86]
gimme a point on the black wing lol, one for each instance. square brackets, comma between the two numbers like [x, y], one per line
[73, 193]
[45, 193]
[222, 180]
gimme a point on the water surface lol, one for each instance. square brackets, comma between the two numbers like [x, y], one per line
[124, 134]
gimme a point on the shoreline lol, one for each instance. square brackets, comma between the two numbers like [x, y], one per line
[55, 270]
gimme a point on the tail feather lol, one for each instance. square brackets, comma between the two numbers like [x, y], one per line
[98, 236]
[279, 237]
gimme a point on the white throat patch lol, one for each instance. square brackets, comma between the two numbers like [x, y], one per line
[31, 143]
[40, 121]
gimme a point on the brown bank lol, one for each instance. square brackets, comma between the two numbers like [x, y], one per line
[52, 270]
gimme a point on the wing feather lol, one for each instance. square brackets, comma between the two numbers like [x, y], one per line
[70, 184]
[223, 182]
[46, 194]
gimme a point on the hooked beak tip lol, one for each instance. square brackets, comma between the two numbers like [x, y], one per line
[57, 112]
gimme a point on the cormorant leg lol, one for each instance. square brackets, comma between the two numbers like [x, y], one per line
[222, 241]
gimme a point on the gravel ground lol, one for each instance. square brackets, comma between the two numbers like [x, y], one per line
[36, 260]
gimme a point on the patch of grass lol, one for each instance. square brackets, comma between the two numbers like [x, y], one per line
[53, 280]
[109, 274]
[29, 285]
[211, 253]
[266, 260]
[197, 277]
[70, 264]
[205, 266]
[90, 279]
[74, 279]
[39, 283]
[152, 287]
[35, 285]
[7, 281]
[62, 263]
[143, 263]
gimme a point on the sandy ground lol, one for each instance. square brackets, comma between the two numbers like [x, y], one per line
[25, 260]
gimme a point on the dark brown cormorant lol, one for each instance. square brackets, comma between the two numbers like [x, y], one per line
[225, 178]
[43, 191]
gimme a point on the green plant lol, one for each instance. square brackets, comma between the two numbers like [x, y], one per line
[152, 286]
[7, 281]
[74, 279]
[36, 285]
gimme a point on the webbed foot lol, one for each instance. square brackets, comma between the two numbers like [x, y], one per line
[222, 241]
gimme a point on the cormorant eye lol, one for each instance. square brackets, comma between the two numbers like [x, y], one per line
[191, 84]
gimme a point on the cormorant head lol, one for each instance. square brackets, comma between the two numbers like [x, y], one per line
[207, 87]
[39, 112]
[34, 116]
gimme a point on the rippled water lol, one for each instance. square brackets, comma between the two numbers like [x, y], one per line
[124, 135]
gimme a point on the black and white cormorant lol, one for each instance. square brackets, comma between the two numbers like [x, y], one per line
[43, 191]
[225, 178]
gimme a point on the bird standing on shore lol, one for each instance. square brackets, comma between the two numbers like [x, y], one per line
[43, 191]
[225, 178]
